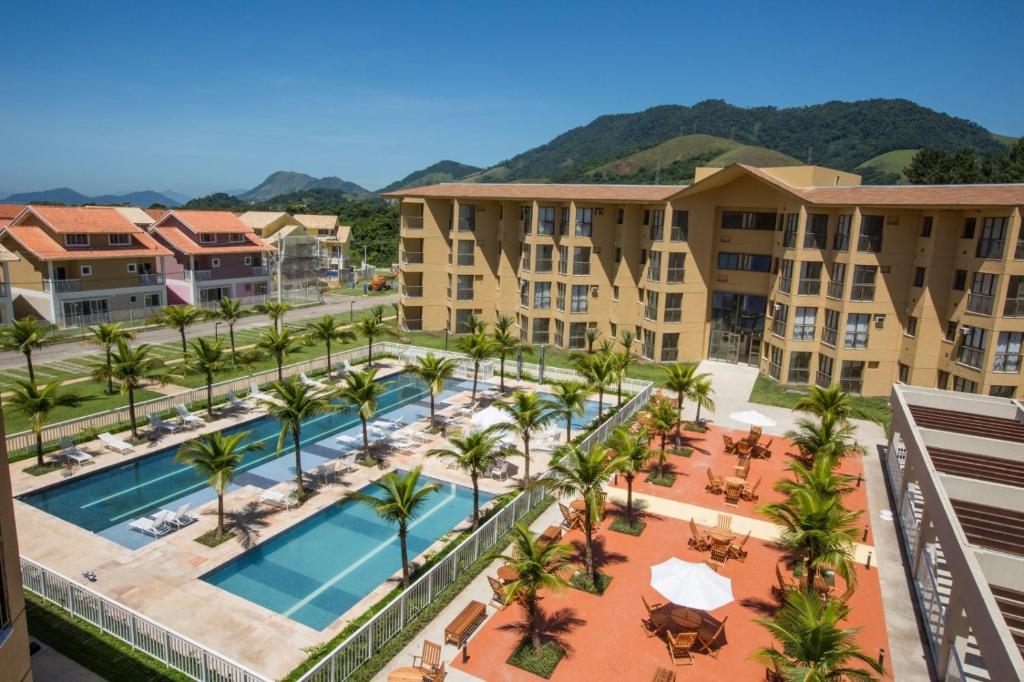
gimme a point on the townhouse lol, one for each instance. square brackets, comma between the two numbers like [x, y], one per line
[80, 265]
[798, 270]
[332, 237]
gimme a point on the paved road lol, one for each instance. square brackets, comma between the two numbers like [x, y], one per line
[335, 305]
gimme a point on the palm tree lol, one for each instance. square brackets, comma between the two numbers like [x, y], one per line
[569, 398]
[701, 394]
[681, 379]
[279, 344]
[328, 329]
[505, 344]
[435, 371]
[475, 453]
[819, 478]
[479, 347]
[829, 437]
[179, 317]
[294, 402]
[634, 451]
[216, 457]
[592, 334]
[23, 336]
[540, 567]
[206, 357]
[230, 310]
[361, 390]
[106, 335]
[373, 327]
[274, 311]
[36, 402]
[529, 414]
[661, 418]
[132, 367]
[475, 324]
[401, 502]
[813, 646]
[598, 369]
[623, 360]
[819, 530]
[832, 401]
[584, 474]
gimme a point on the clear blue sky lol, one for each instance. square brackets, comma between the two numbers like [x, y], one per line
[200, 97]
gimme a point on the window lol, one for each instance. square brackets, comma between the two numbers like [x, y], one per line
[464, 287]
[581, 260]
[541, 331]
[542, 295]
[871, 233]
[85, 270]
[119, 239]
[133, 299]
[803, 325]
[1014, 306]
[851, 376]
[993, 238]
[969, 224]
[524, 258]
[464, 321]
[563, 260]
[982, 297]
[87, 307]
[545, 253]
[614, 329]
[546, 220]
[902, 373]
[207, 238]
[669, 347]
[830, 331]
[810, 279]
[654, 267]
[911, 329]
[657, 225]
[1001, 391]
[779, 319]
[647, 344]
[950, 334]
[740, 220]
[1008, 352]
[918, 277]
[789, 232]
[618, 254]
[786, 276]
[560, 296]
[964, 385]
[563, 228]
[799, 367]
[972, 347]
[467, 252]
[577, 335]
[620, 216]
[959, 280]
[863, 288]
[133, 267]
[151, 300]
[215, 262]
[651, 306]
[942, 380]
[467, 217]
[522, 322]
[248, 260]
[841, 241]
[856, 330]
[680, 226]
[926, 227]
[584, 222]
[816, 231]
[825, 366]
[524, 293]
[236, 237]
[676, 263]
[775, 363]
[559, 333]
[750, 262]
[76, 240]
[580, 298]
[615, 293]
[673, 307]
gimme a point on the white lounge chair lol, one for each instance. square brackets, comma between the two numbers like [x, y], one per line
[256, 394]
[116, 444]
[237, 403]
[155, 525]
[159, 424]
[500, 471]
[181, 517]
[276, 499]
[347, 367]
[68, 450]
[309, 382]
[421, 437]
[189, 419]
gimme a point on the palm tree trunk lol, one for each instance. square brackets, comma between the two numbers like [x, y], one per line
[619, 389]
[589, 545]
[280, 370]
[328, 342]
[431, 408]
[405, 554]
[664, 437]
[209, 395]
[476, 501]
[629, 498]
[31, 370]
[184, 345]
[501, 377]
[366, 437]
[369, 350]
[532, 618]
[131, 411]
[810, 573]
[39, 448]
[600, 400]
[231, 333]
[298, 463]
[679, 411]
[220, 513]
[476, 372]
[110, 377]
[526, 462]
[568, 427]
[698, 412]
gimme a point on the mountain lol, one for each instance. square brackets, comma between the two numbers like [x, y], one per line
[286, 182]
[60, 195]
[442, 171]
[144, 198]
[66, 195]
[841, 135]
[179, 197]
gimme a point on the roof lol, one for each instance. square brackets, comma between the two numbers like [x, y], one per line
[7, 256]
[134, 214]
[260, 219]
[181, 242]
[286, 231]
[8, 211]
[317, 222]
[919, 195]
[78, 219]
[344, 232]
[552, 192]
[40, 244]
[208, 221]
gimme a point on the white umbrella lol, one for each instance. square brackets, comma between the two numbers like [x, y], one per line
[753, 418]
[692, 585]
[489, 417]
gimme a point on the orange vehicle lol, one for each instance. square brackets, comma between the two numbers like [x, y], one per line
[380, 283]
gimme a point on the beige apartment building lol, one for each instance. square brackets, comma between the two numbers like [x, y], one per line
[799, 270]
[14, 642]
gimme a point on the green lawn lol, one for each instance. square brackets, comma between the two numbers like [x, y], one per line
[769, 392]
[94, 400]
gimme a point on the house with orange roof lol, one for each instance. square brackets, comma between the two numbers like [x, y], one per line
[79, 266]
[215, 256]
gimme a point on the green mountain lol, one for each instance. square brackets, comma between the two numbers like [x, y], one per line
[68, 196]
[285, 182]
[442, 171]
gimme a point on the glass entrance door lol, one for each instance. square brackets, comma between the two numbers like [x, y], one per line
[737, 325]
[736, 347]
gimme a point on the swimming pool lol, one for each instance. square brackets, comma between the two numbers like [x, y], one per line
[320, 568]
[589, 415]
[107, 500]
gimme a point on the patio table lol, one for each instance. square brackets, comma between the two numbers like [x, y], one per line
[671, 617]
[721, 535]
[735, 480]
[406, 674]
[507, 574]
[579, 504]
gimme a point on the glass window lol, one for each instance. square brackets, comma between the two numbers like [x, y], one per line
[680, 226]
[119, 239]
[563, 228]
[581, 260]
[856, 330]
[584, 222]
[786, 276]
[676, 263]
[804, 323]
[466, 252]
[1008, 352]
[560, 296]
[673, 307]
[647, 344]
[751, 262]
[816, 231]
[740, 220]
[790, 229]
[810, 278]
[464, 287]
[841, 241]
[580, 298]
[969, 225]
[780, 318]
[825, 366]
[651, 306]
[654, 267]
[1001, 391]
[620, 216]
[959, 280]
[467, 218]
[993, 238]
[799, 367]
[669, 347]
[542, 295]
[563, 260]
[851, 376]
[546, 220]
[545, 258]
[964, 385]
[919, 277]
[972, 346]
[863, 288]
[837, 281]
[76, 240]
[871, 233]
[775, 362]
[541, 331]
[526, 218]
[926, 226]
[526, 258]
[559, 333]
[911, 329]
[657, 225]
[577, 335]
[982, 297]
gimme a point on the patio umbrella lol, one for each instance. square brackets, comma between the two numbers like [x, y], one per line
[753, 418]
[695, 586]
[489, 417]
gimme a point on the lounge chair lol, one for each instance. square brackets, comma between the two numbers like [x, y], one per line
[436, 676]
[498, 597]
[743, 468]
[273, 498]
[663, 675]
[570, 518]
[679, 647]
[159, 424]
[237, 403]
[499, 471]
[737, 552]
[750, 491]
[155, 525]
[714, 485]
[698, 540]
[730, 445]
[256, 394]
[116, 444]
[421, 437]
[189, 419]
[180, 517]
[429, 658]
[705, 646]
[70, 451]
[724, 523]
[309, 382]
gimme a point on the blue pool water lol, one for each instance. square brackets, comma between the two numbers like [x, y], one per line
[320, 568]
[106, 501]
[589, 415]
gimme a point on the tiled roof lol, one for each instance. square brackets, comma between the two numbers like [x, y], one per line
[136, 215]
[8, 211]
[211, 221]
[39, 243]
[918, 195]
[78, 219]
[259, 219]
[181, 242]
[317, 222]
[551, 192]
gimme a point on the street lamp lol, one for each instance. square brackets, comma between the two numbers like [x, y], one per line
[351, 311]
[540, 377]
[216, 330]
[446, 338]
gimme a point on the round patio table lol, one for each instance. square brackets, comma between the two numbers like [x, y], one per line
[677, 618]
[735, 480]
[507, 574]
[579, 505]
[721, 535]
[406, 674]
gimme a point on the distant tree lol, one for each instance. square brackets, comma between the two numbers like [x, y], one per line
[23, 336]
[230, 310]
[36, 403]
[279, 344]
[106, 335]
[179, 317]
[328, 329]
[132, 367]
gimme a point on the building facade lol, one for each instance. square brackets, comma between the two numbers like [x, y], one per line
[799, 270]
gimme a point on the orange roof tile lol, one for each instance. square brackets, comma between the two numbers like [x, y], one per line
[918, 195]
[525, 191]
[8, 211]
[40, 244]
[66, 219]
[211, 221]
[179, 241]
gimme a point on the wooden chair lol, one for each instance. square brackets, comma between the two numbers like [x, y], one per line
[730, 445]
[429, 658]
[737, 552]
[680, 646]
[755, 435]
[437, 676]
[743, 449]
[698, 540]
[650, 629]
[705, 646]
[724, 523]
[733, 493]
[720, 551]
[500, 596]
[663, 675]
[784, 584]
[743, 468]
[750, 491]
[570, 518]
[550, 536]
[714, 485]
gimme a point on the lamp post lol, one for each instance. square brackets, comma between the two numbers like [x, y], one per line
[216, 331]
[351, 311]
[540, 377]
[446, 338]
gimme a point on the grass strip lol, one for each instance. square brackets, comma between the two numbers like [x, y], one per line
[541, 662]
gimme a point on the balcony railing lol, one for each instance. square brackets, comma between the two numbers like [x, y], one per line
[829, 336]
[841, 242]
[869, 243]
[835, 290]
[1008, 363]
[150, 279]
[862, 292]
[5, 291]
[412, 291]
[544, 265]
[990, 248]
[809, 287]
[1014, 307]
[815, 240]
[779, 328]
[678, 234]
[674, 275]
[61, 286]
[982, 304]
[414, 257]
[971, 357]
[198, 275]
[1018, 254]
[855, 340]
[803, 332]
[412, 222]
[581, 267]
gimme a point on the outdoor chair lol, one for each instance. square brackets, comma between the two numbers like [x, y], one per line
[159, 424]
[755, 435]
[273, 498]
[714, 485]
[720, 551]
[235, 403]
[733, 492]
[647, 623]
[724, 523]
[706, 646]
[737, 552]
[750, 491]
[306, 381]
[499, 471]
[663, 675]
[436, 676]
[698, 540]
[680, 646]
[713, 565]
[155, 525]
[429, 658]
[180, 517]
[73, 453]
[784, 584]
[570, 519]
[743, 468]
[499, 596]
[743, 449]
[730, 445]
[189, 419]
[111, 442]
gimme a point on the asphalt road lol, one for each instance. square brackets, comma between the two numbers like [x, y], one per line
[335, 305]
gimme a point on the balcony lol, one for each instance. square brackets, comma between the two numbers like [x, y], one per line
[815, 240]
[990, 248]
[61, 286]
[835, 290]
[544, 265]
[151, 279]
[1018, 254]
[258, 271]
[412, 257]
[412, 291]
[678, 234]
[412, 222]
[980, 304]
[1014, 307]
[1006, 363]
[862, 292]
[198, 275]
[4, 290]
[779, 328]
[869, 243]
[971, 357]
[809, 287]
[829, 336]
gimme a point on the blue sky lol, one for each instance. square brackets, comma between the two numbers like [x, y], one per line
[200, 97]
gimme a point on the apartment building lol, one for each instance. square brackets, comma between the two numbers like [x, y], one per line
[798, 270]
[215, 255]
[14, 651]
[80, 265]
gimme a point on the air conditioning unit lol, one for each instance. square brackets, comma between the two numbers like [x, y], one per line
[598, 211]
[879, 321]
[962, 331]
[594, 290]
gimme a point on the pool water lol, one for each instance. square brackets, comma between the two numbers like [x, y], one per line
[320, 568]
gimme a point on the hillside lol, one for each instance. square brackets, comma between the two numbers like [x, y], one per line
[66, 195]
[886, 168]
[442, 171]
[285, 182]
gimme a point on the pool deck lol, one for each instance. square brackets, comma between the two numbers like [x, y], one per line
[160, 579]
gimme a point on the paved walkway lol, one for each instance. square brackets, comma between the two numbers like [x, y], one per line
[49, 665]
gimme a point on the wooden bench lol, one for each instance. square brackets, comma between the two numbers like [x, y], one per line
[458, 630]
[663, 675]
